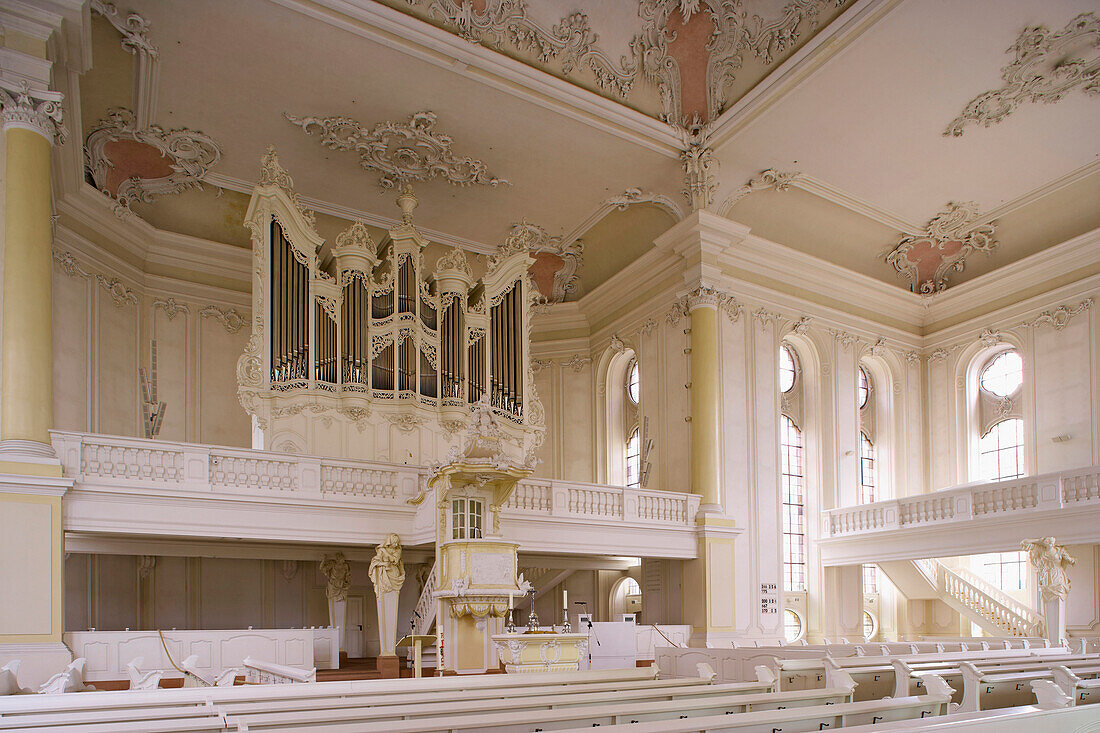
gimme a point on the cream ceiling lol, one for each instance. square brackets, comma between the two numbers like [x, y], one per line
[859, 112]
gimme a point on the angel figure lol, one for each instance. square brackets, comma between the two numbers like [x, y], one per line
[1051, 562]
[386, 571]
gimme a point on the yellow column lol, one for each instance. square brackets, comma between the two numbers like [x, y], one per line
[31, 484]
[26, 404]
[705, 395]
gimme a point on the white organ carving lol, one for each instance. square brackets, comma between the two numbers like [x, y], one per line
[370, 332]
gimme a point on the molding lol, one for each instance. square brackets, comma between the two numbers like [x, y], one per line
[37, 110]
[1039, 72]
[230, 319]
[1045, 190]
[861, 206]
[401, 152]
[118, 291]
[571, 253]
[769, 179]
[700, 166]
[192, 155]
[440, 47]
[632, 196]
[1059, 317]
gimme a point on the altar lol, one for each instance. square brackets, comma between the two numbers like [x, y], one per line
[541, 651]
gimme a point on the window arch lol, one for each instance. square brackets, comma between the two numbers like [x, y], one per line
[792, 477]
[634, 459]
[633, 382]
[793, 628]
[1000, 444]
[619, 416]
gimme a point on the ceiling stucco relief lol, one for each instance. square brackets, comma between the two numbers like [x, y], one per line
[401, 151]
[632, 196]
[700, 165]
[132, 163]
[133, 27]
[557, 261]
[690, 51]
[927, 259]
[768, 180]
[1045, 67]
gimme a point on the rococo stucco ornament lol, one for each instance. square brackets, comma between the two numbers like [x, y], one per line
[1045, 67]
[401, 151]
[539, 241]
[928, 258]
[1058, 318]
[770, 179]
[700, 165]
[189, 156]
[336, 570]
[1051, 562]
[134, 28]
[386, 571]
[632, 196]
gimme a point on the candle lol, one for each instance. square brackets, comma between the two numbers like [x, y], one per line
[509, 601]
[565, 599]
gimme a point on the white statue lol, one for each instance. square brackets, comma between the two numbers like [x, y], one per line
[336, 569]
[1050, 561]
[386, 571]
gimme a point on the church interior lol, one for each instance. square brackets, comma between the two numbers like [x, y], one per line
[678, 365]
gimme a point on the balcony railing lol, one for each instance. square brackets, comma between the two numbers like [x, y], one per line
[1045, 492]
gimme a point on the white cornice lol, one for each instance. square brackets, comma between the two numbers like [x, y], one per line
[1035, 269]
[854, 203]
[1045, 190]
[815, 53]
[345, 212]
[424, 41]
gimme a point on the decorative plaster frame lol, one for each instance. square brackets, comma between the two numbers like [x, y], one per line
[566, 278]
[192, 155]
[400, 151]
[135, 39]
[1039, 72]
[958, 222]
[769, 179]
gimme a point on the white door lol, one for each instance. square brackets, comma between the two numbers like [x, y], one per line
[353, 638]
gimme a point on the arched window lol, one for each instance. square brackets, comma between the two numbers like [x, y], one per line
[792, 625]
[866, 469]
[864, 388]
[870, 626]
[634, 459]
[870, 580]
[1001, 441]
[794, 508]
[788, 369]
[633, 385]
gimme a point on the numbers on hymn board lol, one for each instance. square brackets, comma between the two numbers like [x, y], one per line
[769, 598]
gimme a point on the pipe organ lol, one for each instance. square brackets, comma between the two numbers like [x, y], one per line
[366, 354]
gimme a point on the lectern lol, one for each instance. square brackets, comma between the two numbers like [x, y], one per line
[417, 642]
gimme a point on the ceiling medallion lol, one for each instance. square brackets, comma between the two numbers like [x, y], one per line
[401, 151]
[130, 163]
[1046, 66]
[927, 259]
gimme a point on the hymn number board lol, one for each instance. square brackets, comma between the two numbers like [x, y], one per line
[769, 598]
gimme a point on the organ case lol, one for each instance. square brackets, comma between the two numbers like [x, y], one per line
[365, 354]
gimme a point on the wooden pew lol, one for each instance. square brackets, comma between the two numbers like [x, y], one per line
[1080, 691]
[504, 684]
[549, 714]
[908, 674]
[648, 689]
[210, 722]
[986, 689]
[21, 723]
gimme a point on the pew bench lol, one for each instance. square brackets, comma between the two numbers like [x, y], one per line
[210, 722]
[984, 690]
[73, 717]
[1081, 691]
[650, 690]
[549, 714]
[872, 713]
[907, 675]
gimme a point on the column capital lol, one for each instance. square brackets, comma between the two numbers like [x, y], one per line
[37, 110]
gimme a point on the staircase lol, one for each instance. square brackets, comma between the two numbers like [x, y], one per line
[423, 620]
[995, 612]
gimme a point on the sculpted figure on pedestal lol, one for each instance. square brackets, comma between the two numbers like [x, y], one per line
[336, 569]
[386, 571]
[1050, 561]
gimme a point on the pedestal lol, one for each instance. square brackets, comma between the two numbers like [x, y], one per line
[387, 624]
[541, 652]
[1054, 616]
[337, 612]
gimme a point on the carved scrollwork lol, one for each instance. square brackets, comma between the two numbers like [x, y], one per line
[453, 261]
[401, 152]
[230, 319]
[700, 165]
[632, 196]
[770, 179]
[1058, 318]
[537, 240]
[949, 237]
[33, 109]
[134, 28]
[171, 307]
[191, 154]
[1045, 67]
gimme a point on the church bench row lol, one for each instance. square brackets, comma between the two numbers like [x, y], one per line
[810, 673]
[76, 717]
[511, 684]
[1079, 690]
[907, 675]
[649, 690]
[833, 717]
[210, 722]
[984, 690]
[547, 713]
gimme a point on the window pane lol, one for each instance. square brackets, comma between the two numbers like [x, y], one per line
[792, 625]
[475, 519]
[794, 525]
[868, 625]
[632, 383]
[634, 459]
[1004, 374]
[786, 369]
[866, 470]
[870, 579]
[1001, 451]
[864, 388]
[458, 519]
